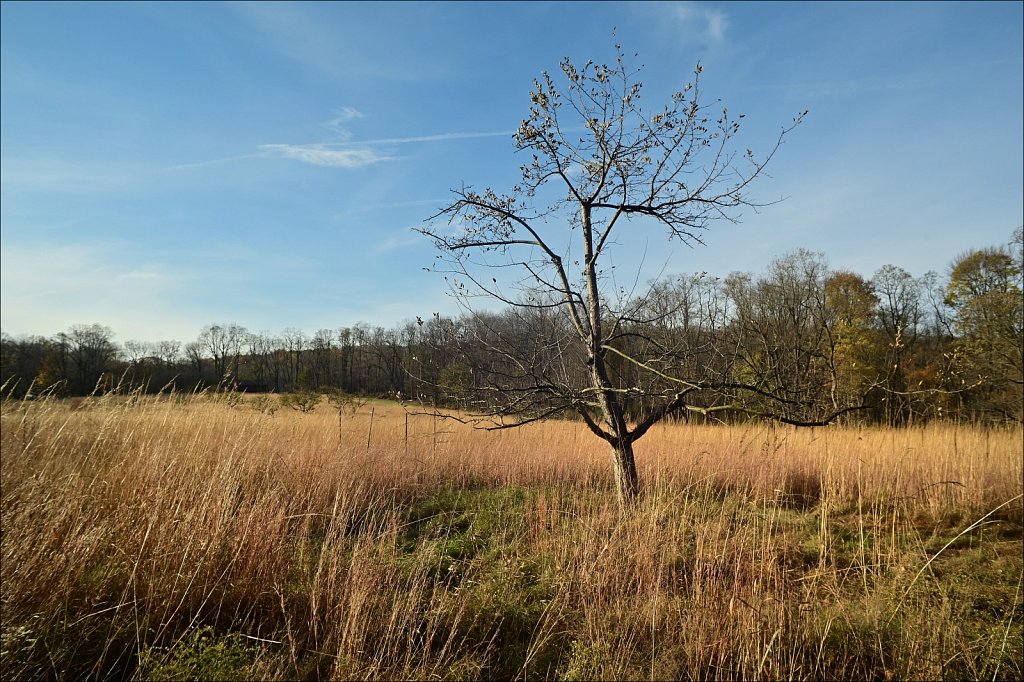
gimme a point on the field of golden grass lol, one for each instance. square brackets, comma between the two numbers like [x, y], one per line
[195, 538]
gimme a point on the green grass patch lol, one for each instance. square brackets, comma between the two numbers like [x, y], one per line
[202, 655]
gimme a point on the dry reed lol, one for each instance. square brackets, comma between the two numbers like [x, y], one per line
[758, 551]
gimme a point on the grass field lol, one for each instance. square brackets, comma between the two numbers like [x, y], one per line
[195, 538]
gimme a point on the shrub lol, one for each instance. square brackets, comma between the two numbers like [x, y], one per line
[202, 656]
[303, 401]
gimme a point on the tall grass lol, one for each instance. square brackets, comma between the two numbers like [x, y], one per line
[191, 537]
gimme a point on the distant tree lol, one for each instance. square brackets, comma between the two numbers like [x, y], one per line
[29, 364]
[162, 365]
[853, 343]
[224, 344]
[168, 352]
[261, 348]
[977, 274]
[985, 292]
[55, 372]
[194, 353]
[781, 332]
[597, 168]
[690, 315]
[136, 351]
[900, 313]
[92, 351]
[141, 365]
[280, 364]
[346, 352]
[387, 360]
[295, 343]
[322, 357]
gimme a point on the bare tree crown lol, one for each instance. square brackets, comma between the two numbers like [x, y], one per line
[608, 161]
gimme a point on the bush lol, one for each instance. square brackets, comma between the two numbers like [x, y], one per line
[303, 401]
[264, 404]
[343, 402]
[202, 656]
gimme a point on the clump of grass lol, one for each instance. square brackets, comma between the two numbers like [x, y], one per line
[179, 537]
[202, 655]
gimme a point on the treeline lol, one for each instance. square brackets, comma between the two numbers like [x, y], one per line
[906, 349]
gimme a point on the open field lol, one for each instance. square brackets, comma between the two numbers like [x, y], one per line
[189, 537]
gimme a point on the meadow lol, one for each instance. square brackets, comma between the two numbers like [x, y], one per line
[204, 537]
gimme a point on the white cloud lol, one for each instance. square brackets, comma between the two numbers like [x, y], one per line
[360, 152]
[341, 117]
[321, 155]
[346, 114]
[702, 24]
[345, 153]
[438, 137]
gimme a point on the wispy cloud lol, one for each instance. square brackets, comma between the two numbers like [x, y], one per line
[346, 114]
[341, 118]
[322, 155]
[345, 153]
[700, 23]
[439, 137]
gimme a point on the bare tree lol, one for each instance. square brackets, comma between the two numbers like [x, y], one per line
[900, 315]
[296, 343]
[194, 353]
[321, 347]
[137, 351]
[780, 330]
[577, 336]
[224, 343]
[92, 350]
[280, 364]
[260, 349]
[169, 352]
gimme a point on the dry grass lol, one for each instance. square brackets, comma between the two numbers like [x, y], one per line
[184, 538]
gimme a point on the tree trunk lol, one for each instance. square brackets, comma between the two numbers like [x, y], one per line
[627, 483]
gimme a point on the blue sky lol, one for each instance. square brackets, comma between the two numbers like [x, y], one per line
[166, 166]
